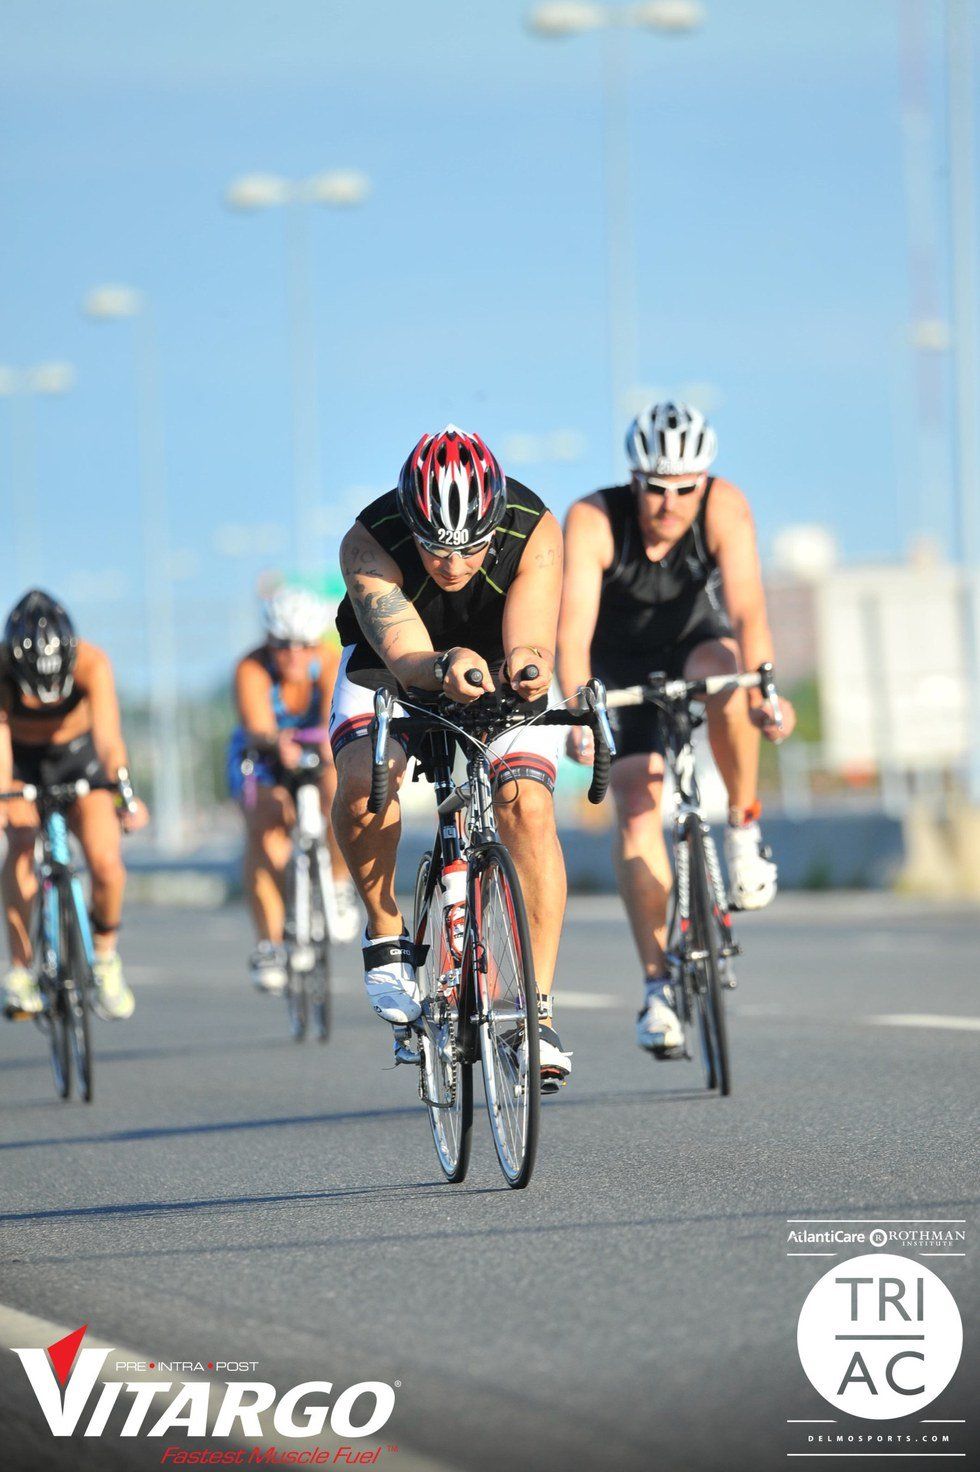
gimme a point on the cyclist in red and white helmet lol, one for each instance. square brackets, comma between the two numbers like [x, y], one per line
[452, 491]
[457, 569]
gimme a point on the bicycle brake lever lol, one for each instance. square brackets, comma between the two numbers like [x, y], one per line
[595, 699]
[767, 685]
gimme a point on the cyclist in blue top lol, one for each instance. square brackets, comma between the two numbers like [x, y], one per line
[283, 686]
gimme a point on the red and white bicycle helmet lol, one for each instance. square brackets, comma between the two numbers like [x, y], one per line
[451, 489]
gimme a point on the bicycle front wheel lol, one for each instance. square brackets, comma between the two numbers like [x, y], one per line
[76, 991]
[299, 952]
[446, 1082]
[707, 966]
[507, 1013]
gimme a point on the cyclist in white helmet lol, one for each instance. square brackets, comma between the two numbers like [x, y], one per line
[282, 686]
[663, 574]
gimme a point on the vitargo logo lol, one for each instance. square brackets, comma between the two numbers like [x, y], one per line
[64, 1377]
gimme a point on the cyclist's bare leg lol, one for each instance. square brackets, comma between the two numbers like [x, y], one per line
[19, 881]
[328, 791]
[369, 841]
[267, 849]
[640, 854]
[527, 828]
[734, 739]
[95, 822]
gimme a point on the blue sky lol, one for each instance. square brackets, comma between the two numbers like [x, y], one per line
[768, 217]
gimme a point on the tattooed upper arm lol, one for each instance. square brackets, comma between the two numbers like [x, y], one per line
[387, 619]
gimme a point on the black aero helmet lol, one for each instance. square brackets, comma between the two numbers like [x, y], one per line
[41, 647]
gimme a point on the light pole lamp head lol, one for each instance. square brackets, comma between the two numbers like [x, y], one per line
[559, 18]
[51, 378]
[341, 188]
[107, 303]
[674, 17]
[258, 192]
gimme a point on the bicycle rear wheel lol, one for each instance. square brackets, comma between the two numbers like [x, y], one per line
[507, 1013]
[446, 1081]
[708, 983]
[77, 983]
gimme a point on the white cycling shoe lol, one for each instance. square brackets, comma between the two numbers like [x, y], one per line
[390, 978]
[21, 997]
[555, 1061]
[658, 1027]
[113, 998]
[267, 967]
[344, 911]
[751, 871]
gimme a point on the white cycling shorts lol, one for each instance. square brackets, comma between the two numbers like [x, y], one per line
[528, 753]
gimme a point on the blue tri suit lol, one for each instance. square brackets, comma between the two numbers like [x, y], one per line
[266, 767]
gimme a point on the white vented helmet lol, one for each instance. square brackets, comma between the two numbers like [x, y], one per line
[295, 615]
[670, 439]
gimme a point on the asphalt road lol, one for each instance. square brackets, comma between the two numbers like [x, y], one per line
[230, 1195]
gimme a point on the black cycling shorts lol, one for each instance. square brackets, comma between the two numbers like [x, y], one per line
[638, 729]
[61, 761]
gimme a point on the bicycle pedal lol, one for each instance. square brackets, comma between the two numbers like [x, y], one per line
[678, 1051]
[552, 1082]
[302, 958]
[404, 1052]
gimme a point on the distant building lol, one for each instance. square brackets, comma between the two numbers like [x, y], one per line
[885, 642]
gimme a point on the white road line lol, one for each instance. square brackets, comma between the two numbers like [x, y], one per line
[923, 1019]
[20, 1330]
[586, 1001]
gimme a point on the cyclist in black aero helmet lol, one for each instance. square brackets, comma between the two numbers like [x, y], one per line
[59, 722]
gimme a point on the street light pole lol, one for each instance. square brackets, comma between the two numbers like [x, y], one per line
[339, 189]
[622, 329]
[559, 19]
[306, 437]
[962, 193]
[22, 387]
[110, 303]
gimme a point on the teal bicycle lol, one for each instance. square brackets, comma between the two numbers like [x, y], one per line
[61, 937]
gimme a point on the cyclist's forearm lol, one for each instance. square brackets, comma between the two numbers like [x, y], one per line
[6, 759]
[415, 669]
[111, 753]
[573, 671]
[754, 640]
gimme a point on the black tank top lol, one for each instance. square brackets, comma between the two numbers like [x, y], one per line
[473, 616]
[645, 605]
[13, 703]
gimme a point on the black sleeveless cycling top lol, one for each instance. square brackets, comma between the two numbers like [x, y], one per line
[647, 605]
[473, 616]
[13, 703]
